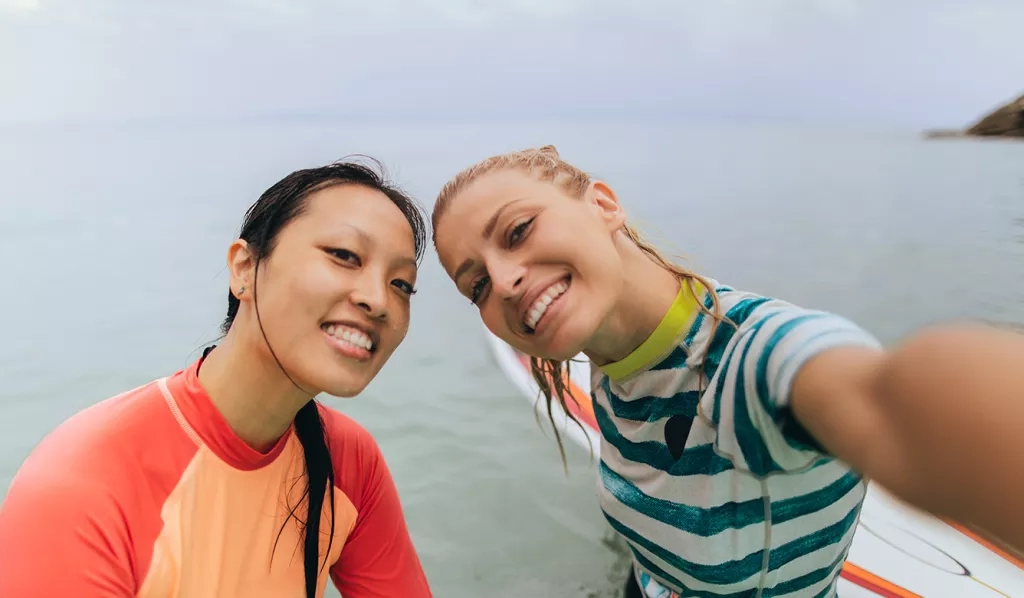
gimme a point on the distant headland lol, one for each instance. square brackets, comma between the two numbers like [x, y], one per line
[1006, 121]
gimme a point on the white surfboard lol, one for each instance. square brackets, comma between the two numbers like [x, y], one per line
[897, 552]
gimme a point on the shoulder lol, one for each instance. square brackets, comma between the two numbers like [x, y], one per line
[81, 484]
[771, 341]
[348, 438]
[768, 341]
[736, 311]
[356, 456]
[93, 443]
[99, 449]
[769, 324]
[378, 558]
[743, 309]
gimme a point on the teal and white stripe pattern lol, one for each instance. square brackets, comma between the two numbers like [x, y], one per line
[752, 506]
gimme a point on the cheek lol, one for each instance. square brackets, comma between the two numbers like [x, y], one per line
[300, 292]
[400, 320]
[598, 275]
[397, 326]
[493, 319]
[318, 281]
[579, 244]
[595, 248]
[583, 256]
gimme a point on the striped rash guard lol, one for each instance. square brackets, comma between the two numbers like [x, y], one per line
[715, 486]
[150, 493]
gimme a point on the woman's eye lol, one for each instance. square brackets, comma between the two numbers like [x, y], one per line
[345, 255]
[517, 232]
[477, 289]
[405, 286]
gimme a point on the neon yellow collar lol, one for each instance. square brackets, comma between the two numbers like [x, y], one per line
[664, 338]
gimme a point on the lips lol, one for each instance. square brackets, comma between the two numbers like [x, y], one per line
[353, 333]
[533, 311]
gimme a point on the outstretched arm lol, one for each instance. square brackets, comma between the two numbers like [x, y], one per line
[938, 421]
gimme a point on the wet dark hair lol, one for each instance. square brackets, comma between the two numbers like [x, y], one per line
[279, 205]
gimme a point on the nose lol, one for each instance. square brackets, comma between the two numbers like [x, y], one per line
[507, 278]
[370, 296]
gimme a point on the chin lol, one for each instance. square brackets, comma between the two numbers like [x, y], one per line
[558, 347]
[338, 383]
[344, 390]
[556, 351]
[341, 377]
[568, 342]
[346, 383]
[560, 354]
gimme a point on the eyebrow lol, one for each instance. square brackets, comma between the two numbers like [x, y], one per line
[357, 232]
[492, 223]
[462, 269]
[404, 260]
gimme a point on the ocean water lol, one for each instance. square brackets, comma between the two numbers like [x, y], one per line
[113, 242]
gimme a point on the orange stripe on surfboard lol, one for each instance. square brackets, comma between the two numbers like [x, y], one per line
[870, 581]
[992, 545]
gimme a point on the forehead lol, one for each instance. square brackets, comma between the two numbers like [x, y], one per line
[340, 208]
[488, 192]
[464, 220]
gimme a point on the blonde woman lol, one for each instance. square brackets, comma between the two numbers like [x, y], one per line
[738, 431]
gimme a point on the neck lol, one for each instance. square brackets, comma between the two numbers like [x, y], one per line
[249, 389]
[635, 315]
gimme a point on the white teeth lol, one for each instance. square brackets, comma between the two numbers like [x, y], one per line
[540, 306]
[356, 338]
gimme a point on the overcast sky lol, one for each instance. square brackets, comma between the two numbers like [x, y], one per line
[902, 62]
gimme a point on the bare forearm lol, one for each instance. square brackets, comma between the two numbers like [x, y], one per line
[954, 400]
[938, 421]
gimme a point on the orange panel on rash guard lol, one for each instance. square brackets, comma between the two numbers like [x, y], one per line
[150, 494]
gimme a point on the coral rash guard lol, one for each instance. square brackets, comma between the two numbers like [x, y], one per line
[150, 493]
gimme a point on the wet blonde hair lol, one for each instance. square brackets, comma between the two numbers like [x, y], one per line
[552, 376]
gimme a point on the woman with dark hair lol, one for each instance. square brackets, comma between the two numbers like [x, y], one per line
[228, 478]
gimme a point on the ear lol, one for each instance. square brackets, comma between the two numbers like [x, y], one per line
[603, 198]
[241, 268]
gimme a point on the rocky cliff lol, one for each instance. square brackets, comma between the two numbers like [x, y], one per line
[1007, 121]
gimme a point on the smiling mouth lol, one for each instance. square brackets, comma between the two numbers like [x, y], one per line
[540, 306]
[349, 335]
